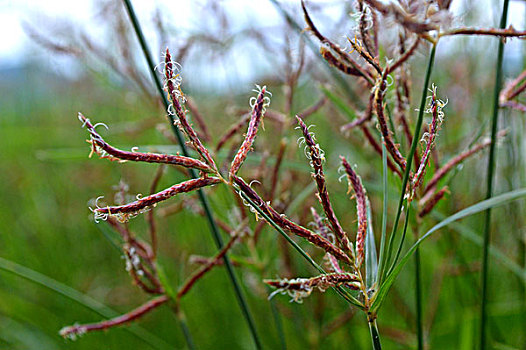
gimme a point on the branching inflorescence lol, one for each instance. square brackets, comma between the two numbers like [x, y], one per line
[344, 256]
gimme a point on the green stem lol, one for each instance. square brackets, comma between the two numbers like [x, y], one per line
[418, 301]
[202, 197]
[416, 140]
[489, 185]
[375, 335]
[181, 317]
[279, 324]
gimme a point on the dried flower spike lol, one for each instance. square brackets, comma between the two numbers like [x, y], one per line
[361, 209]
[435, 108]
[174, 94]
[123, 212]
[299, 288]
[289, 226]
[316, 157]
[105, 150]
[258, 109]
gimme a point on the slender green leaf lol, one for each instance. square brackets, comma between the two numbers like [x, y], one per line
[371, 260]
[82, 299]
[469, 234]
[385, 193]
[474, 209]
[338, 102]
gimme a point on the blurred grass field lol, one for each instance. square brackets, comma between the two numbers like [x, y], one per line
[45, 224]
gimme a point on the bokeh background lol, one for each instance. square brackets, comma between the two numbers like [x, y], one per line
[54, 63]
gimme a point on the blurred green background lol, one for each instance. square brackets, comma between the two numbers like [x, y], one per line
[45, 224]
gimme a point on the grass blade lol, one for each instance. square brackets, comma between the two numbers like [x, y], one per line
[338, 102]
[489, 185]
[468, 233]
[385, 192]
[371, 261]
[80, 298]
[474, 209]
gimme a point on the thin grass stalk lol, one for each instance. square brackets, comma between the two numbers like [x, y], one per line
[418, 301]
[181, 318]
[204, 202]
[414, 144]
[489, 185]
[279, 324]
[375, 335]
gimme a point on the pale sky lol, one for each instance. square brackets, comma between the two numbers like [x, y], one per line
[185, 16]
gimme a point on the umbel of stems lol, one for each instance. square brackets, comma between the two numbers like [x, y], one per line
[346, 252]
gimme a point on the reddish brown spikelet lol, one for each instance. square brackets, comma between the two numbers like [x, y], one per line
[378, 149]
[513, 88]
[323, 230]
[436, 110]
[405, 56]
[77, 330]
[130, 209]
[316, 158]
[509, 32]
[116, 154]
[430, 204]
[335, 62]
[299, 288]
[322, 281]
[216, 260]
[371, 60]
[341, 53]
[289, 226]
[253, 125]
[170, 77]
[361, 209]
[382, 122]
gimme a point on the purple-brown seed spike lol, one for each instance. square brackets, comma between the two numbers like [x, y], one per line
[78, 330]
[315, 155]
[105, 150]
[382, 122]
[335, 62]
[323, 230]
[361, 209]
[299, 288]
[282, 221]
[378, 149]
[429, 204]
[216, 260]
[257, 115]
[174, 93]
[436, 110]
[405, 56]
[123, 212]
[336, 48]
